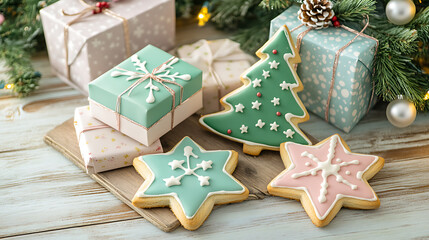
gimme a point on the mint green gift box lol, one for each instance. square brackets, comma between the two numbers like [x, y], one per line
[351, 95]
[146, 111]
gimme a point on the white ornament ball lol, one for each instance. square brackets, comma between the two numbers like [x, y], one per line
[401, 113]
[400, 12]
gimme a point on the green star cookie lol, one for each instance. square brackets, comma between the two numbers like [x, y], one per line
[190, 180]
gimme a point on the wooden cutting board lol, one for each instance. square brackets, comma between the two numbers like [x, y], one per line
[253, 172]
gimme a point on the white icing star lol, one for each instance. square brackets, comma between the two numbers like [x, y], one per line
[256, 104]
[276, 101]
[289, 133]
[243, 128]
[205, 164]
[172, 181]
[204, 180]
[260, 124]
[256, 82]
[176, 163]
[274, 126]
[285, 85]
[274, 64]
[266, 74]
[239, 107]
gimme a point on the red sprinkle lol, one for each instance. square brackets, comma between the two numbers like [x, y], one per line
[337, 24]
[278, 113]
[259, 94]
[229, 131]
[274, 51]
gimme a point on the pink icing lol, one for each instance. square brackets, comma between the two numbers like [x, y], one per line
[312, 183]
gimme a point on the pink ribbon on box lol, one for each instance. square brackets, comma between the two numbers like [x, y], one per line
[152, 76]
[337, 57]
[95, 9]
[90, 129]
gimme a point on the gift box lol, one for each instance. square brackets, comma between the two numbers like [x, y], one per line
[147, 95]
[222, 62]
[83, 45]
[352, 91]
[102, 147]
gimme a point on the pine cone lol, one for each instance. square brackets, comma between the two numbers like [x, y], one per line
[316, 13]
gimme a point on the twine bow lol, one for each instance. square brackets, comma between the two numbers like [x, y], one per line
[141, 77]
[337, 57]
[100, 7]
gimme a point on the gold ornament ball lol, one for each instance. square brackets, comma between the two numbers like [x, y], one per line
[400, 12]
[401, 113]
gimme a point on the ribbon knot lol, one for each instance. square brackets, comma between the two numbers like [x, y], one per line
[337, 57]
[99, 7]
[163, 72]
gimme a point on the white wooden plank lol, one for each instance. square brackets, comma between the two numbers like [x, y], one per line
[374, 133]
[25, 130]
[402, 187]
[42, 190]
[272, 218]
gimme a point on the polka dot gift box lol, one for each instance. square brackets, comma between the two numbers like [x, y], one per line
[102, 147]
[85, 39]
[351, 94]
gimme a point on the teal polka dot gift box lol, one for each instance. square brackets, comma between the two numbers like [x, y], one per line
[342, 97]
[146, 95]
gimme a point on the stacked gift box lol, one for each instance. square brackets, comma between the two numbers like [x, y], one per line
[133, 105]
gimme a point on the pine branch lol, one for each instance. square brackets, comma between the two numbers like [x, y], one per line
[229, 14]
[276, 4]
[395, 74]
[353, 10]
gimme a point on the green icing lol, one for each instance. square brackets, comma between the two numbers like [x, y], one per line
[270, 88]
[189, 193]
[106, 88]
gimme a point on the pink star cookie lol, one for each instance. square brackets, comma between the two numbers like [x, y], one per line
[325, 177]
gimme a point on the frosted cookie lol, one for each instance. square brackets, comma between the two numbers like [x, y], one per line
[326, 177]
[266, 110]
[190, 180]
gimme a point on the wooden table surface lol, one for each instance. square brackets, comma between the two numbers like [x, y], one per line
[44, 195]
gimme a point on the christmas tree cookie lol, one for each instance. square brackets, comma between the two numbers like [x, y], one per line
[326, 177]
[190, 180]
[266, 110]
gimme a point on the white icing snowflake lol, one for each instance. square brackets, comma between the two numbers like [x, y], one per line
[274, 64]
[161, 73]
[327, 169]
[284, 85]
[239, 107]
[260, 124]
[243, 128]
[175, 164]
[276, 101]
[256, 82]
[265, 74]
[256, 104]
[289, 133]
[274, 126]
